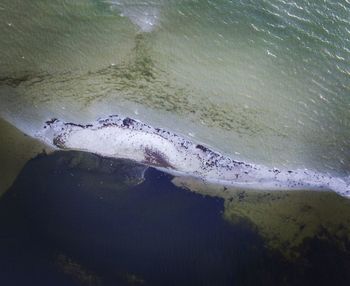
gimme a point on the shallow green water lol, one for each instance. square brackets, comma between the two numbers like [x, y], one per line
[263, 81]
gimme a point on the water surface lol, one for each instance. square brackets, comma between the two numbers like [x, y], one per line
[263, 81]
[79, 219]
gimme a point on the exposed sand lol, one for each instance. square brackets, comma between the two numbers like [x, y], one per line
[124, 137]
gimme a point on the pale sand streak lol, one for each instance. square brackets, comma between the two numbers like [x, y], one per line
[123, 137]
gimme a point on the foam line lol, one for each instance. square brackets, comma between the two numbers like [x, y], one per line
[123, 137]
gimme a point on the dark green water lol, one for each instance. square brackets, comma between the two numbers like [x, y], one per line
[78, 219]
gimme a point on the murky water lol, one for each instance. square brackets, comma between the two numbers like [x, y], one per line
[263, 81]
[78, 219]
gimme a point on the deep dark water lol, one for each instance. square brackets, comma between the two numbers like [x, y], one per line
[77, 219]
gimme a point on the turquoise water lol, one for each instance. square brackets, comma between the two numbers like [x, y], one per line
[262, 81]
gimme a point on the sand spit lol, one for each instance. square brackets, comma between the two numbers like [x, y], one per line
[124, 137]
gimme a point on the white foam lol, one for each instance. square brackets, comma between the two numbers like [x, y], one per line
[143, 15]
[123, 137]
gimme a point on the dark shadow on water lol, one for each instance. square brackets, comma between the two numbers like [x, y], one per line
[78, 219]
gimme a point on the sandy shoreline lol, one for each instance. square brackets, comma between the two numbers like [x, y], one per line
[122, 137]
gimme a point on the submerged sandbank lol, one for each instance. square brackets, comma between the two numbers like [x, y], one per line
[76, 218]
[16, 149]
[287, 220]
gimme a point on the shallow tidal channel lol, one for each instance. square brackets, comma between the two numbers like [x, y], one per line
[74, 218]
